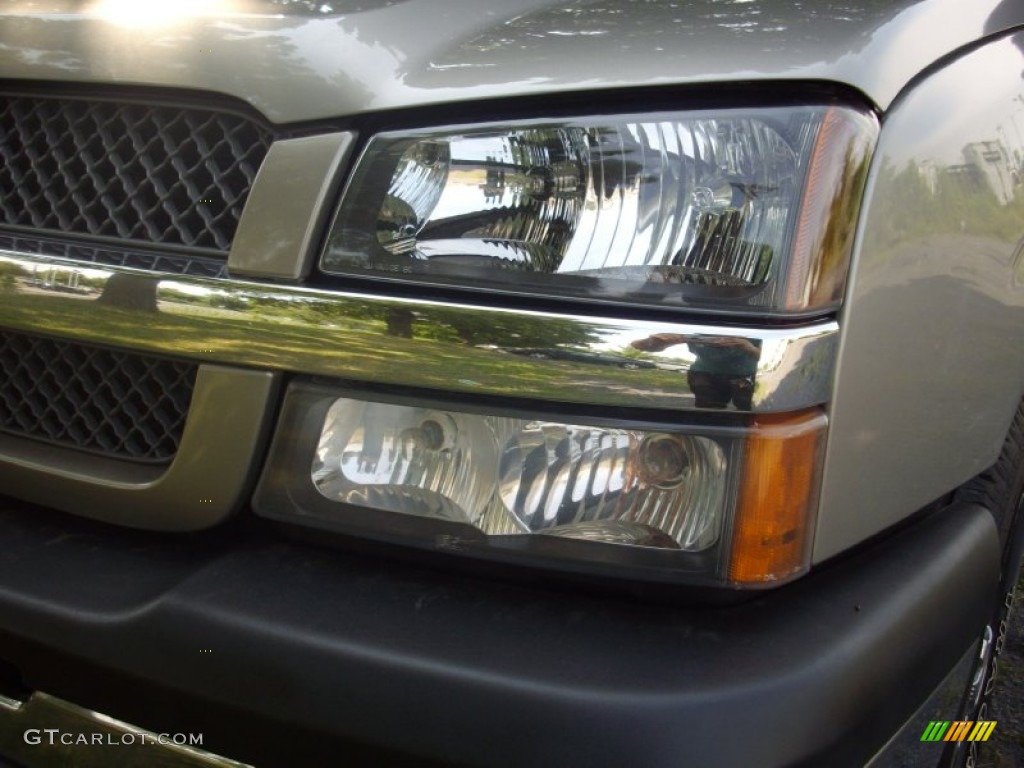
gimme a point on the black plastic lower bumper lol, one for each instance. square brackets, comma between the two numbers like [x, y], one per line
[284, 653]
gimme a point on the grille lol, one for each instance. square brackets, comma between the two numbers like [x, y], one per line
[115, 403]
[145, 173]
[153, 261]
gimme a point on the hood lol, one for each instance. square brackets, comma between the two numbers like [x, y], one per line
[295, 60]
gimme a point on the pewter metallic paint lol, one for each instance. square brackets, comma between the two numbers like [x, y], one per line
[389, 55]
[288, 205]
[931, 365]
[204, 484]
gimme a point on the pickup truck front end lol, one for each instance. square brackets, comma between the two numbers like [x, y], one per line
[425, 384]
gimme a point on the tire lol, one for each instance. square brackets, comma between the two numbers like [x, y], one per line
[1000, 489]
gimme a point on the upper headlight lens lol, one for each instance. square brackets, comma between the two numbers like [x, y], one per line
[667, 209]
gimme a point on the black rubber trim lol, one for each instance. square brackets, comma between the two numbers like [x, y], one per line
[310, 646]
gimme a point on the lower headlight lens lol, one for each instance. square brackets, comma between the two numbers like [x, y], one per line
[646, 208]
[724, 501]
[514, 476]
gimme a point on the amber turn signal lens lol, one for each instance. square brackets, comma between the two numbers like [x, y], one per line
[773, 524]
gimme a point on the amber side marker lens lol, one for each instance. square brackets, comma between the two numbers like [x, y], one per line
[824, 236]
[774, 517]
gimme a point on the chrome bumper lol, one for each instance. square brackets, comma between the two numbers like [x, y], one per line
[375, 339]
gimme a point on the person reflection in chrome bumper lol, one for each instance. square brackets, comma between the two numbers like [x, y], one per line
[723, 372]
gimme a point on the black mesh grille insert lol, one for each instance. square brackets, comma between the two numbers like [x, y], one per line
[117, 403]
[148, 173]
[138, 258]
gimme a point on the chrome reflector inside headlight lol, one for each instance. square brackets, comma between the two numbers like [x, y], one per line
[674, 209]
[727, 500]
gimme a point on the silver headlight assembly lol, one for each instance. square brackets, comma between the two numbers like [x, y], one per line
[731, 212]
[703, 504]
[742, 210]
